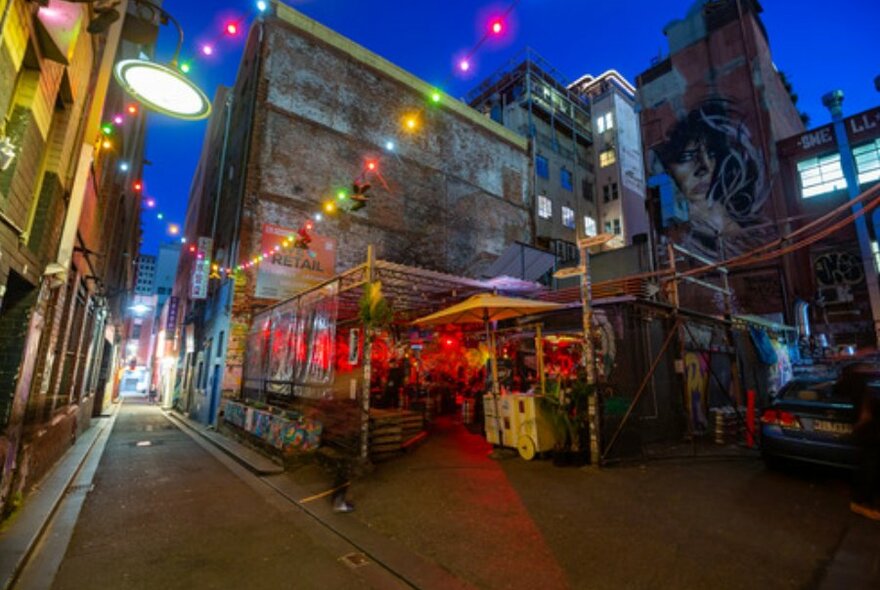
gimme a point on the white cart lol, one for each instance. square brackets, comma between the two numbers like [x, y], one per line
[518, 421]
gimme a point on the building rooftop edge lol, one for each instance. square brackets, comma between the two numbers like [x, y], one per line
[362, 54]
[612, 73]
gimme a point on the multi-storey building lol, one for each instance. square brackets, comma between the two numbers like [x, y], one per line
[166, 271]
[68, 233]
[618, 161]
[529, 97]
[146, 275]
[712, 112]
[312, 112]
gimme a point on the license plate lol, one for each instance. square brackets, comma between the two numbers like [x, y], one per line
[832, 427]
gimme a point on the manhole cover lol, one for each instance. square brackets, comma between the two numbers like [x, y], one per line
[354, 560]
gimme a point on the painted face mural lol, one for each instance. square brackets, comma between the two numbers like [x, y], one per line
[716, 168]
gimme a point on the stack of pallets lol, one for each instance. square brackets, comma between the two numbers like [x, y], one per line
[391, 431]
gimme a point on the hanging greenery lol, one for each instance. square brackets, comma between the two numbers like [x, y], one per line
[375, 311]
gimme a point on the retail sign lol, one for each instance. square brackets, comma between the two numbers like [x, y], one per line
[171, 324]
[201, 269]
[290, 270]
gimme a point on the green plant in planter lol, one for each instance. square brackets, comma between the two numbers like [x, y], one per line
[567, 402]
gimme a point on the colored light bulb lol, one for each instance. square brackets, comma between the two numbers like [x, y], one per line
[329, 207]
[464, 65]
[123, 166]
[106, 128]
[118, 119]
[185, 67]
[389, 145]
[341, 195]
[138, 186]
[262, 5]
[106, 144]
[132, 109]
[435, 96]
[497, 27]
[160, 216]
[371, 166]
[207, 50]
[231, 29]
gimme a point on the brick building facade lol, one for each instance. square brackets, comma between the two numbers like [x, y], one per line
[712, 113]
[308, 110]
[68, 232]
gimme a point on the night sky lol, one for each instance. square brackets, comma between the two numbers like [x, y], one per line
[820, 45]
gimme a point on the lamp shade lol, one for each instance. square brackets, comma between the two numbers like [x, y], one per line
[162, 89]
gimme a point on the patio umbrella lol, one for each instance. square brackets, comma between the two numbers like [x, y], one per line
[485, 308]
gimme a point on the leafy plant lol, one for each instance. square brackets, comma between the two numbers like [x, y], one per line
[374, 311]
[567, 402]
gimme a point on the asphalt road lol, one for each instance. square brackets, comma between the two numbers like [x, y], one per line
[164, 513]
[720, 524]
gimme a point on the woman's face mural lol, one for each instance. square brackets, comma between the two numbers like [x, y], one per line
[709, 155]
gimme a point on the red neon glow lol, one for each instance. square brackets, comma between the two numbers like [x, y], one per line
[497, 26]
[231, 29]
[138, 186]
[192, 248]
[371, 165]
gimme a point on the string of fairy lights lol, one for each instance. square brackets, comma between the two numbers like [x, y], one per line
[343, 200]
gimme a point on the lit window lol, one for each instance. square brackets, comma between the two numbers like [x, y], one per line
[590, 228]
[821, 175]
[867, 159]
[565, 179]
[545, 207]
[607, 158]
[600, 124]
[542, 167]
[567, 217]
[609, 120]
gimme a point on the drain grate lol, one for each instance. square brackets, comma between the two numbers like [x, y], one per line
[354, 560]
[83, 487]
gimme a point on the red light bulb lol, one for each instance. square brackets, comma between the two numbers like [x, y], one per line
[138, 186]
[231, 29]
[371, 165]
[497, 26]
[132, 109]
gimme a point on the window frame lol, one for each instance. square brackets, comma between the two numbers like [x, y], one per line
[545, 202]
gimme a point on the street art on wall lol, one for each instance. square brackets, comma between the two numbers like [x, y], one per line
[781, 372]
[838, 268]
[696, 366]
[287, 432]
[720, 173]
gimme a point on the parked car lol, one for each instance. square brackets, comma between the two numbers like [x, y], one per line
[812, 420]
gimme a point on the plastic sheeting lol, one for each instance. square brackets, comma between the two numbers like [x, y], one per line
[294, 345]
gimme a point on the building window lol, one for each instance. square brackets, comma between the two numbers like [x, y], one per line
[867, 159]
[820, 175]
[565, 179]
[607, 158]
[587, 189]
[542, 167]
[610, 193]
[605, 122]
[616, 226]
[568, 217]
[590, 228]
[607, 227]
[545, 207]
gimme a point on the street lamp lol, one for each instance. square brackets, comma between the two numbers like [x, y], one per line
[162, 88]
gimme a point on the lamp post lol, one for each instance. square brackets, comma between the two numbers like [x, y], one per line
[588, 352]
[833, 101]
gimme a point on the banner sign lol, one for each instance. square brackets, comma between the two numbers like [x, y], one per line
[171, 324]
[201, 269]
[289, 271]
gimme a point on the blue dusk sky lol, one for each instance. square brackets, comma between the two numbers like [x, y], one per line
[820, 45]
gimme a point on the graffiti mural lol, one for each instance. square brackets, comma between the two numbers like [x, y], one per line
[718, 171]
[838, 268]
[696, 366]
[781, 372]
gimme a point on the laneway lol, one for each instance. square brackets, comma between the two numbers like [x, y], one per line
[166, 514]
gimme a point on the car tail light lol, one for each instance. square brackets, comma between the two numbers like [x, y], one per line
[780, 418]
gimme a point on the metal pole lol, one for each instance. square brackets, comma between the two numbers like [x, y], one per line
[539, 356]
[833, 101]
[589, 358]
